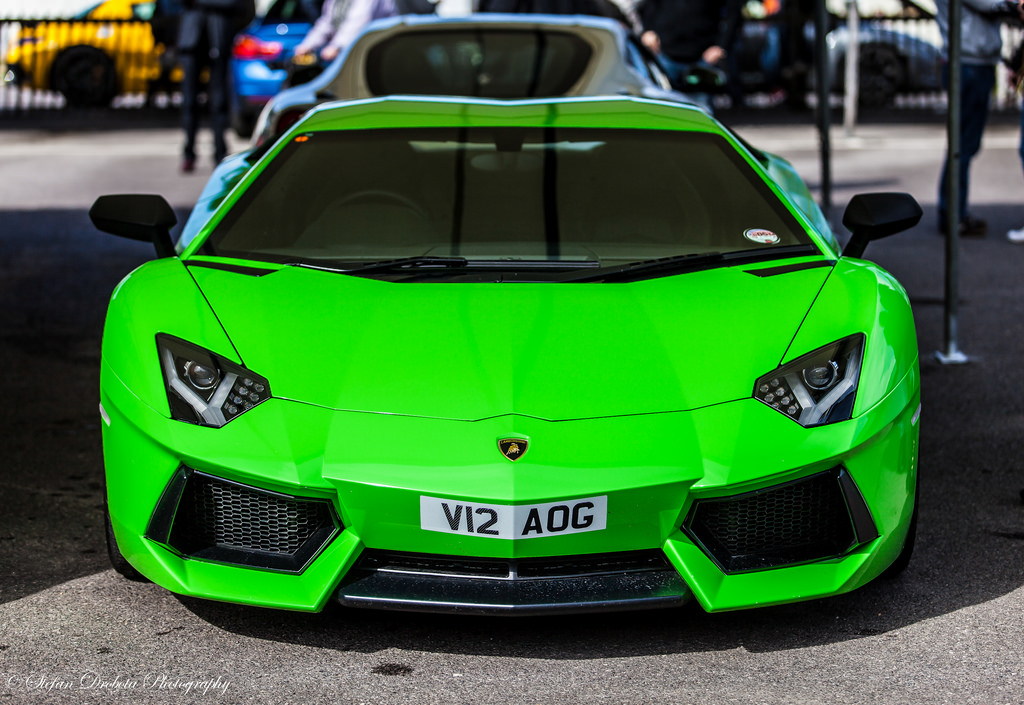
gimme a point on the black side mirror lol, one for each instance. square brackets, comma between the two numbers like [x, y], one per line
[142, 217]
[872, 216]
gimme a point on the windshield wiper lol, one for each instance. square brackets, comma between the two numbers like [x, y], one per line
[507, 270]
[397, 264]
[677, 264]
[424, 266]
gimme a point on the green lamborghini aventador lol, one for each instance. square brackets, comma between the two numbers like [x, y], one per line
[518, 357]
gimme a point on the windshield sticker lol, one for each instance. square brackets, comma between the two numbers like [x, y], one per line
[759, 235]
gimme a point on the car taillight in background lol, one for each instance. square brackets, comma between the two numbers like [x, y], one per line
[248, 47]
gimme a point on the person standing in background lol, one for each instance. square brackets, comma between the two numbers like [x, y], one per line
[341, 21]
[687, 32]
[320, 36]
[205, 36]
[1016, 65]
[981, 46]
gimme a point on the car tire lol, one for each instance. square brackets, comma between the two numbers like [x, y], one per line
[118, 561]
[881, 75]
[85, 76]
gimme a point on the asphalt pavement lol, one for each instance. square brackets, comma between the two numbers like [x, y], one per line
[949, 630]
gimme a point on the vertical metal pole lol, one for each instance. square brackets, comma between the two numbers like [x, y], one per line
[952, 354]
[852, 77]
[823, 89]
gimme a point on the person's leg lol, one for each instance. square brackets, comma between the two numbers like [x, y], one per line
[978, 82]
[1017, 236]
[217, 93]
[944, 174]
[189, 108]
[1020, 148]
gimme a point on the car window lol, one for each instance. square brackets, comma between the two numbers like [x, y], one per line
[294, 10]
[646, 63]
[144, 10]
[169, 8]
[636, 60]
[492, 64]
[84, 14]
[564, 195]
[658, 74]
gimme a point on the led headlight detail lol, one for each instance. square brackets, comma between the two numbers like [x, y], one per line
[206, 389]
[818, 388]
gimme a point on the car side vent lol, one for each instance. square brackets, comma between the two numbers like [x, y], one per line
[228, 522]
[817, 517]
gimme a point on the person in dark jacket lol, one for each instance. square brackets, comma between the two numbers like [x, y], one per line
[205, 36]
[688, 32]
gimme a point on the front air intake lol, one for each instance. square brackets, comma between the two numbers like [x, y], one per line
[209, 518]
[814, 518]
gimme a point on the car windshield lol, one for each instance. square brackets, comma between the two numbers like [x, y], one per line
[491, 63]
[555, 197]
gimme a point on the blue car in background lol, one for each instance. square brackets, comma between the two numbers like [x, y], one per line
[259, 61]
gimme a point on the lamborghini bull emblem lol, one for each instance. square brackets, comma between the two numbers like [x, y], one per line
[513, 448]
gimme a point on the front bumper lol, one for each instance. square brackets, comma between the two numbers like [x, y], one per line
[621, 581]
[373, 470]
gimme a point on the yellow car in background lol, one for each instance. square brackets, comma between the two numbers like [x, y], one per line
[115, 47]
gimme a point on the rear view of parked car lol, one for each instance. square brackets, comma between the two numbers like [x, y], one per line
[111, 48]
[259, 62]
[489, 55]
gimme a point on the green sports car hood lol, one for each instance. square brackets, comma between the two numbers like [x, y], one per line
[475, 351]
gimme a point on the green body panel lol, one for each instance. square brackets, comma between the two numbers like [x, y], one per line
[159, 297]
[384, 393]
[883, 463]
[374, 467]
[860, 296]
[473, 351]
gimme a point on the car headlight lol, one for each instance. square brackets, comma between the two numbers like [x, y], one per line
[818, 388]
[206, 389]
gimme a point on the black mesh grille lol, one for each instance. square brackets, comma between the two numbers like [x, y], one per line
[235, 516]
[234, 523]
[792, 523]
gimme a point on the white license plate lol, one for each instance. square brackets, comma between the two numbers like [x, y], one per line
[504, 521]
